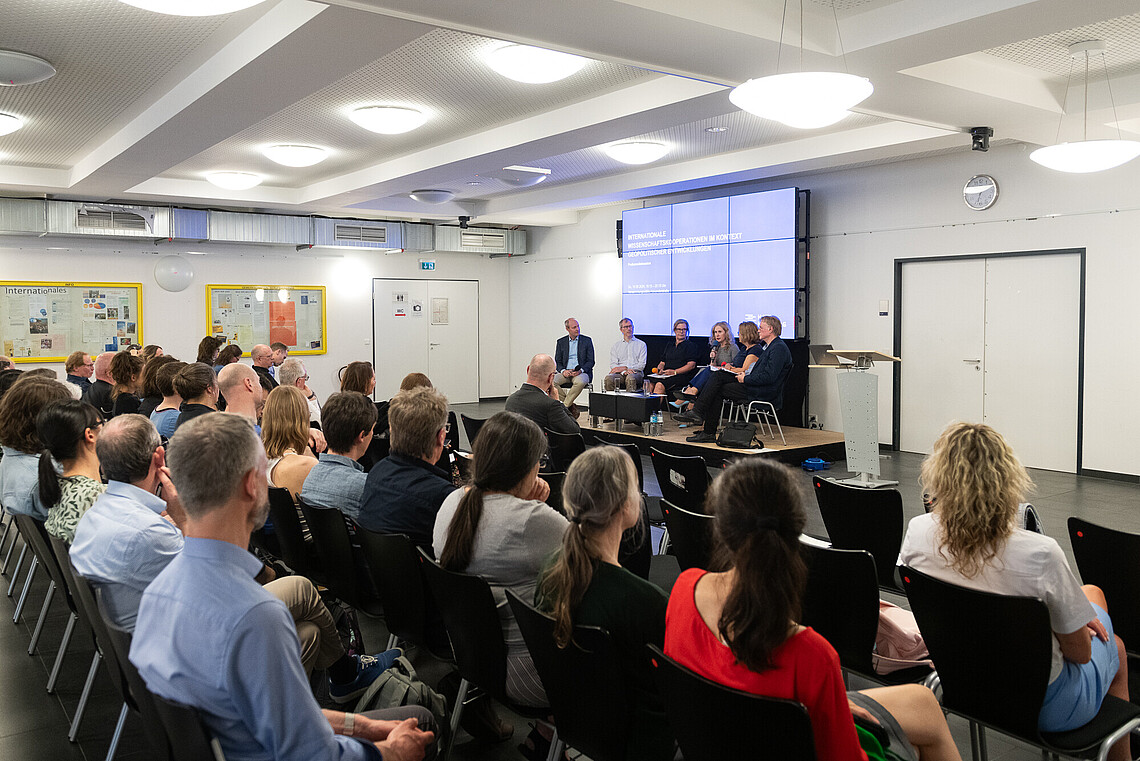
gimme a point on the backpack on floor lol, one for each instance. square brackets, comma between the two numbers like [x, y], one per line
[347, 624]
[399, 686]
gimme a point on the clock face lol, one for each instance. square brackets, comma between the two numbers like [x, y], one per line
[980, 192]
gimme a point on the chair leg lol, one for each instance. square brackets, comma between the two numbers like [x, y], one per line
[40, 621]
[16, 570]
[392, 641]
[975, 751]
[456, 712]
[27, 585]
[556, 747]
[7, 530]
[62, 652]
[663, 545]
[118, 733]
[74, 731]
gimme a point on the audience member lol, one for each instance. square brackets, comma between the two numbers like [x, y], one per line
[285, 435]
[584, 584]
[68, 431]
[738, 627]
[243, 672]
[243, 391]
[976, 483]
[500, 528]
[627, 360]
[7, 378]
[358, 377]
[229, 354]
[415, 380]
[6, 363]
[262, 357]
[198, 387]
[280, 354]
[165, 415]
[404, 491]
[21, 444]
[208, 349]
[679, 362]
[99, 395]
[337, 480]
[537, 399]
[574, 364]
[79, 367]
[293, 373]
[150, 351]
[148, 384]
[126, 369]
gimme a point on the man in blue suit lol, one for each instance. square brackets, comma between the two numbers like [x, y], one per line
[574, 363]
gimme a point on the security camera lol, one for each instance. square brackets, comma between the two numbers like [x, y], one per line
[981, 138]
[463, 222]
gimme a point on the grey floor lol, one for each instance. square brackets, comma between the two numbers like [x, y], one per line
[33, 724]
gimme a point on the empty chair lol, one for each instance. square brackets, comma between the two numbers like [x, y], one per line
[564, 447]
[1110, 559]
[334, 548]
[295, 551]
[690, 536]
[471, 426]
[864, 519]
[1000, 681]
[394, 566]
[683, 480]
[766, 414]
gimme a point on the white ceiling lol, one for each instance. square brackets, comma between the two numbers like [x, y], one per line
[144, 104]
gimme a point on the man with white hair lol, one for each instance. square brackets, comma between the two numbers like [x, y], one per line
[293, 373]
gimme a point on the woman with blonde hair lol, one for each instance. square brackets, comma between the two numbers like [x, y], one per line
[976, 483]
[285, 434]
[740, 363]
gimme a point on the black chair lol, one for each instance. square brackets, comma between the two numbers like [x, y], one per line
[588, 697]
[472, 620]
[564, 447]
[471, 426]
[864, 519]
[690, 536]
[298, 554]
[78, 615]
[188, 735]
[749, 726]
[464, 463]
[394, 566]
[588, 435]
[342, 576]
[36, 535]
[1110, 559]
[841, 602]
[25, 530]
[683, 480]
[1000, 681]
[555, 499]
[451, 443]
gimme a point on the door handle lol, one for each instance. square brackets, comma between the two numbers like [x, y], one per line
[433, 344]
[973, 361]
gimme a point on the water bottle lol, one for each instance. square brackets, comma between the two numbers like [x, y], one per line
[653, 423]
[658, 422]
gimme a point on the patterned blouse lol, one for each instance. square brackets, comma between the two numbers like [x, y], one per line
[78, 493]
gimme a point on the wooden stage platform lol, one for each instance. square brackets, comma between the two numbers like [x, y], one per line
[802, 443]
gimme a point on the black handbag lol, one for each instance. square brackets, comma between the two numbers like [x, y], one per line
[739, 436]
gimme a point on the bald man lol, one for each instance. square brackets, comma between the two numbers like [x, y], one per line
[240, 386]
[537, 399]
[262, 357]
[99, 395]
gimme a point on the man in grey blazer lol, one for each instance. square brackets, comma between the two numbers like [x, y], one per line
[537, 399]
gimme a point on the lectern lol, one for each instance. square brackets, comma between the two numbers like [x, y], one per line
[859, 403]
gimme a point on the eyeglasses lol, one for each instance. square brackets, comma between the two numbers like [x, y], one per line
[680, 330]
[447, 427]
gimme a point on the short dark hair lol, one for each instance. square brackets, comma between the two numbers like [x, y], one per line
[278, 346]
[194, 380]
[344, 416]
[125, 446]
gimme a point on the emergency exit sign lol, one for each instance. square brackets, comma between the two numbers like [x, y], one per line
[427, 264]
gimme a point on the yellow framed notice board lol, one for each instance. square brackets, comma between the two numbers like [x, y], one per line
[264, 314]
[45, 322]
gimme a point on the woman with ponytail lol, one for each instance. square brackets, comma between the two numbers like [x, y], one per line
[585, 584]
[500, 528]
[68, 430]
[738, 627]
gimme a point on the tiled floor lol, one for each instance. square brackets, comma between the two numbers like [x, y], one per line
[33, 724]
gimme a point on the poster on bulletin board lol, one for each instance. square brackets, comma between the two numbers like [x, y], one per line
[45, 322]
[264, 314]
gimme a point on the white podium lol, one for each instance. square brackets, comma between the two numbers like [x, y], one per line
[859, 403]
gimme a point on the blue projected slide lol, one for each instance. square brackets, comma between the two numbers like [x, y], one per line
[731, 258]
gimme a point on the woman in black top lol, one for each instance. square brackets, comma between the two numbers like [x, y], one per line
[125, 371]
[198, 387]
[148, 384]
[679, 362]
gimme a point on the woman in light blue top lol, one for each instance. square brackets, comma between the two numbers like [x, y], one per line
[19, 468]
[165, 415]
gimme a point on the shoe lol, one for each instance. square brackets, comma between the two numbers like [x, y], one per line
[539, 747]
[607, 420]
[574, 411]
[702, 438]
[368, 669]
[689, 417]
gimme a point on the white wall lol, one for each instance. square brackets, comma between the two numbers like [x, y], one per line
[865, 218]
[177, 321]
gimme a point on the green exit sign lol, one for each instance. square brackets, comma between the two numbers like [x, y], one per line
[427, 264]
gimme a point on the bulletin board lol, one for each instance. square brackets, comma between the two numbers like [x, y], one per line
[257, 314]
[45, 322]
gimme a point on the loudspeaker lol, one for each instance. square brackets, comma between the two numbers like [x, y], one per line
[619, 239]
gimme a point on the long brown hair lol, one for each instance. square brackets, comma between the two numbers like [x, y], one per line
[759, 518]
[356, 376]
[125, 369]
[505, 451]
[149, 381]
[20, 406]
[285, 422]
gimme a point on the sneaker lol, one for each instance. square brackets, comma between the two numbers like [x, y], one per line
[702, 438]
[368, 669]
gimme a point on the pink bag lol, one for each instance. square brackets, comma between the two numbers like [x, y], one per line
[898, 643]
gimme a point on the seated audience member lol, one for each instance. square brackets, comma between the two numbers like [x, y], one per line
[262, 358]
[762, 381]
[415, 380]
[573, 363]
[243, 391]
[679, 362]
[242, 672]
[150, 351]
[358, 377]
[165, 415]
[68, 431]
[79, 367]
[500, 528]
[208, 349]
[738, 627]
[198, 387]
[7, 378]
[285, 435]
[337, 480]
[537, 399]
[148, 384]
[99, 395]
[404, 491]
[6, 363]
[126, 370]
[293, 373]
[586, 585]
[627, 360]
[970, 538]
[229, 354]
[19, 467]
[409, 381]
[280, 354]
[722, 350]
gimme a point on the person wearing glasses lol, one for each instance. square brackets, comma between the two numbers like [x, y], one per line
[79, 367]
[68, 430]
[679, 363]
[627, 360]
[293, 373]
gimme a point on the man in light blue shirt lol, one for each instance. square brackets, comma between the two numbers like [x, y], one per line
[337, 480]
[573, 362]
[210, 636]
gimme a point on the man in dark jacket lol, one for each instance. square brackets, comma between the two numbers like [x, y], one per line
[537, 399]
[573, 364]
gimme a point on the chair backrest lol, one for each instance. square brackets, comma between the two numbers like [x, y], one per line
[35, 534]
[451, 443]
[634, 454]
[841, 602]
[999, 679]
[690, 535]
[334, 549]
[863, 519]
[471, 426]
[747, 726]
[583, 683]
[394, 566]
[564, 447]
[290, 536]
[189, 737]
[590, 437]
[683, 480]
[467, 607]
[555, 499]
[1110, 559]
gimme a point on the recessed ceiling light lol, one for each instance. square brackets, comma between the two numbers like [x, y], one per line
[388, 120]
[23, 69]
[195, 8]
[474, 182]
[233, 180]
[636, 151]
[524, 63]
[532, 169]
[9, 123]
[295, 155]
[518, 179]
[716, 130]
[432, 196]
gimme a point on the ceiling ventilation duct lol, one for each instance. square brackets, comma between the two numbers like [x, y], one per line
[109, 220]
[480, 240]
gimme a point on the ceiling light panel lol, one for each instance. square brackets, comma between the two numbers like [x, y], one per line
[192, 7]
[532, 65]
[234, 180]
[20, 69]
[295, 155]
[10, 123]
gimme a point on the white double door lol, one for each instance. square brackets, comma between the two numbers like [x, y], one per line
[993, 340]
[427, 326]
